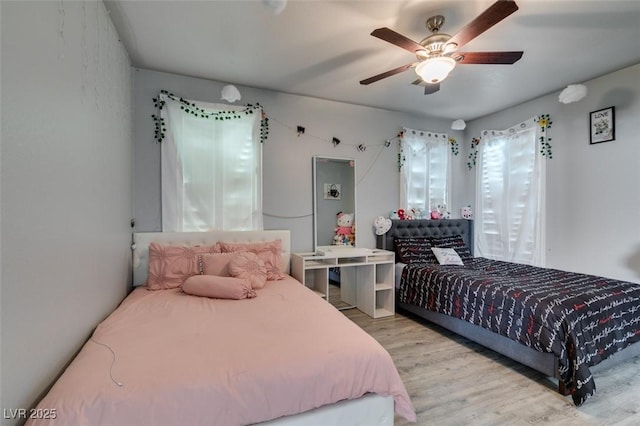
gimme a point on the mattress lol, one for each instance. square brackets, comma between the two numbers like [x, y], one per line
[581, 319]
[166, 358]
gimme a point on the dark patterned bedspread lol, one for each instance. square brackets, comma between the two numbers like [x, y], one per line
[582, 319]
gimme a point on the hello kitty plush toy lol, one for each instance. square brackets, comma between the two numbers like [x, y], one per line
[344, 231]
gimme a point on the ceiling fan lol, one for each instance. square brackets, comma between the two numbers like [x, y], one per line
[438, 54]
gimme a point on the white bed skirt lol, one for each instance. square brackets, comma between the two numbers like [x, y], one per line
[370, 410]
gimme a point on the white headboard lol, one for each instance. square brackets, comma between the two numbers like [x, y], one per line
[141, 242]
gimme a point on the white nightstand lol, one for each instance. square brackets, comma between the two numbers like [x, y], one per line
[366, 277]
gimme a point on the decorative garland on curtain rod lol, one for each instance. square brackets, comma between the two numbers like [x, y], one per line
[455, 150]
[543, 121]
[196, 111]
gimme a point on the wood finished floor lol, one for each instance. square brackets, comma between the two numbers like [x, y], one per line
[453, 381]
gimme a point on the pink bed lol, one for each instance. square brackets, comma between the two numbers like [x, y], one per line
[168, 358]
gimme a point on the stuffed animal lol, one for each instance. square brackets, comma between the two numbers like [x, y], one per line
[352, 238]
[382, 225]
[394, 215]
[435, 214]
[444, 213]
[402, 214]
[345, 231]
[417, 213]
[466, 212]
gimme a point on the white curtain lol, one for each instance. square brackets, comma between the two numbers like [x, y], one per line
[211, 170]
[510, 195]
[424, 169]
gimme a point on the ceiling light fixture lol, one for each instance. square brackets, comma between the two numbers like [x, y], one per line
[434, 70]
[459, 124]
[230, 93]
[572, 93]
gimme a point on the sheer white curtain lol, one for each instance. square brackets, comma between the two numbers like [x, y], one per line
[510, 195]
[211, 170]
[424, 169]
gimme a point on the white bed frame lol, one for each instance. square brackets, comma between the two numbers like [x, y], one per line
[141, 242]
[370, 409]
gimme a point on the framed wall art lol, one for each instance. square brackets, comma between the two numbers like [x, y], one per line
[602, 125]
[332, 191]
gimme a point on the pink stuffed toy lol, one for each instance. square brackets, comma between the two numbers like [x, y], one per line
[345, 230]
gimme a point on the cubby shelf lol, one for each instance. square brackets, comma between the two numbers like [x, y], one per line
[366, 282]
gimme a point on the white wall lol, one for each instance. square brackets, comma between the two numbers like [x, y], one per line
[65, 186]
[593, 191]
[287, 157]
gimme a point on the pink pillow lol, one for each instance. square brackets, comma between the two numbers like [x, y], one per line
[268, 251]
[170, 266]
[215, 264]
[218, 287]
[249, 267]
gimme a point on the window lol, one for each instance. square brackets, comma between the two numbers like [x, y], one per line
[424, 169]
[510, 196]
[211, 170]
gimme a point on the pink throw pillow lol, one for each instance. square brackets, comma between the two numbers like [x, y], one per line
[269, 252]
[249, 267]
[170, 266]
[215, 264]
[218, 287]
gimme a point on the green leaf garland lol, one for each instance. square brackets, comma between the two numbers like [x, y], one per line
[196, 111]
[401, 157]
[454, 146]
[544, 122]
[473, 155]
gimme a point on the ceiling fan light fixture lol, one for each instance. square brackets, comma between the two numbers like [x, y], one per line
[450, 47]
[434, 70]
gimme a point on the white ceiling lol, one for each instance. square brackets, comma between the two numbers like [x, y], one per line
[324, 48]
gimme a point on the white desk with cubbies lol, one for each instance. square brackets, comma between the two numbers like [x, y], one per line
[366, 277]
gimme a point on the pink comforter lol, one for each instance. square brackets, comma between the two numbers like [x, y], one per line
[188, 360]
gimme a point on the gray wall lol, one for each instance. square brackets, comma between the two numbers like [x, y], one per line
[593, 191]
[66, 176]
[288, 192]
[65, 186]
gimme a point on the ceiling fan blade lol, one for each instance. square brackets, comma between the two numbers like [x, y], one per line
[487, 19]
[487, 57]
[429, 88]
[393, 37]
[387, 74]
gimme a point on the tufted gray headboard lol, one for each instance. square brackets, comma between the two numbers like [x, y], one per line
[426, 228]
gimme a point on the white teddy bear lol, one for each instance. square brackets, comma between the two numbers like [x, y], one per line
[444, 213]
